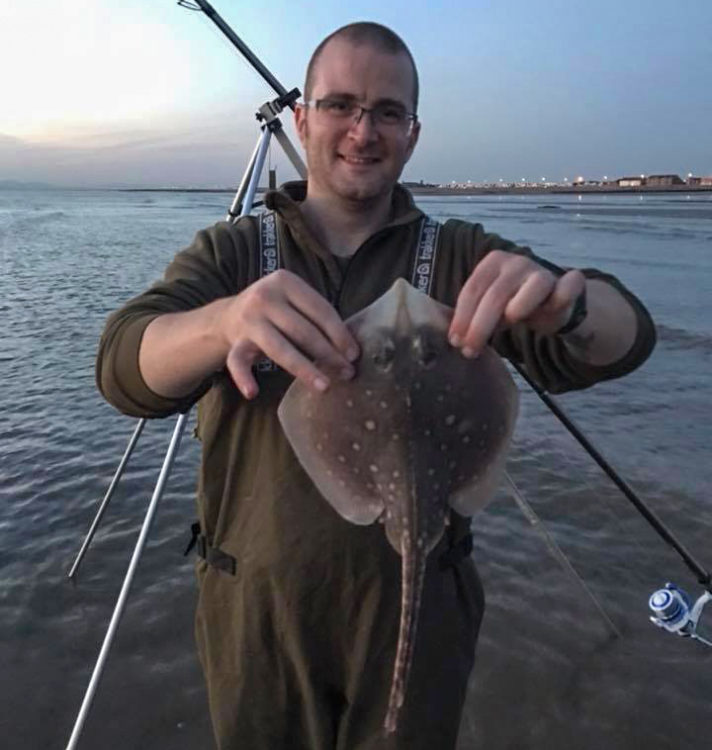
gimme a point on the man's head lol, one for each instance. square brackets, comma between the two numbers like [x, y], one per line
[358, 125]
[378, 37]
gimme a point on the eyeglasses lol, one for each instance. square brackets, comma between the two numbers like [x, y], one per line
[388, 115]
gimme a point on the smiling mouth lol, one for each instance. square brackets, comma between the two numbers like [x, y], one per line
[359, 160]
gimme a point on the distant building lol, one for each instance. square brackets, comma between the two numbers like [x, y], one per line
[630, 181]
[663, 180]
[701, 181]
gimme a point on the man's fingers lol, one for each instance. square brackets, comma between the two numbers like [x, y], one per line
[555, 311]
[310, 339]
[469, 298]
[321, 314]
[282, 352]
[239, 364]
[485, 320]
[536, 290]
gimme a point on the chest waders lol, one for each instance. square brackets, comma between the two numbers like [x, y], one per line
[423, 265]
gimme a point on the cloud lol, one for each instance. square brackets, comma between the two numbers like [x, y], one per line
[208, 151]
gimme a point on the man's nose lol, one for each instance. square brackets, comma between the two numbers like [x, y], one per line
[362, 127]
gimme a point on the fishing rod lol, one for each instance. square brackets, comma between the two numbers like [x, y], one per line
[672, 607]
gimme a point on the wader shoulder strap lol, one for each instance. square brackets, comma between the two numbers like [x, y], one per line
[425, 255]
[425, 258]
[270, 260]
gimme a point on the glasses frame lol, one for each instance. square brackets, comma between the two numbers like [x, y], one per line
[410, 117]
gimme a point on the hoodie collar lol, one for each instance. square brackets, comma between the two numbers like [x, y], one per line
[286, 200]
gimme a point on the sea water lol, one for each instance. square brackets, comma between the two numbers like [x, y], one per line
[550, 673]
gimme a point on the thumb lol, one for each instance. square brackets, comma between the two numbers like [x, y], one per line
[556, 310]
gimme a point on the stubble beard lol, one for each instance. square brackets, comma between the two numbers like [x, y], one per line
[328, 182]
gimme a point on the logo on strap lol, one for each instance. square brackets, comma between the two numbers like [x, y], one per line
[270, 260]
[425, 255]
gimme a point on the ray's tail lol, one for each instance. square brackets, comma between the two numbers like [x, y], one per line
[413, 562]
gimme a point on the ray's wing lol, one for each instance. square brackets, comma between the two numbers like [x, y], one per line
[330, 433]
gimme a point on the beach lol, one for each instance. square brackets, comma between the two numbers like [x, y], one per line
[550, 673]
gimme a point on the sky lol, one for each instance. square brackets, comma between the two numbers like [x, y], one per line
[145, 93]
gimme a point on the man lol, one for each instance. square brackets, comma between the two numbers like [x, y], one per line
[298, 610]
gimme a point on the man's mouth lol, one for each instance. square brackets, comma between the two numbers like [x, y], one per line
[359, 160]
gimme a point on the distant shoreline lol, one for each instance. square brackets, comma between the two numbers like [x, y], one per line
[448, 191]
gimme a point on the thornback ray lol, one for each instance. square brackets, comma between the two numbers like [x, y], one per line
[418, 430]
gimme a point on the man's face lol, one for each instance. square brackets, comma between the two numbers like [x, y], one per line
[357, 161]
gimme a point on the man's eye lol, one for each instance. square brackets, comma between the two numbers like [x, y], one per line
[391, 114]
[336, 107]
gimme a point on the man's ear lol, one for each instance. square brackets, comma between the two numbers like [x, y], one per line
[413, 139]
[300, 123]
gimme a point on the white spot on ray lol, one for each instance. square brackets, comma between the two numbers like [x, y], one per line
[342, 459]
[356, 446]
[431, 472]
[373, 468]
[383, 405]
[450, 420]
[369, 424]
[349, 403]
[396, 474]
[466, 439]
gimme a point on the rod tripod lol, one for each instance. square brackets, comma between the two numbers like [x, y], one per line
[242, 205]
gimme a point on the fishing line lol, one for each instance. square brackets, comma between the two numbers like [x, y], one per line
[557, 553]
[604, 500]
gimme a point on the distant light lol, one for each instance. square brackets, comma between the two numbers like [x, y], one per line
[689, 174]
[642, 177]
[605, 176]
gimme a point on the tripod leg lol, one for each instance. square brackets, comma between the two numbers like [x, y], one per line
[105, 502]
[260, 156]
[235, 208]
[290, 151]
[128, 580]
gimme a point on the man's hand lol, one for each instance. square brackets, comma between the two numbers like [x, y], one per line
[505, 289]
[283, 318]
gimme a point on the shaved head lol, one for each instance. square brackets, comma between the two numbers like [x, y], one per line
[364, 33]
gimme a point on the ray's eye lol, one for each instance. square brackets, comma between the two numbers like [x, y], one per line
[424, 351]
[384, 354]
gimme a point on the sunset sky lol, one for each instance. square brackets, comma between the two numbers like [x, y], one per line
[146, 93]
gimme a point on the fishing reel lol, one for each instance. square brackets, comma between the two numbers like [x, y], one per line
[674, 611]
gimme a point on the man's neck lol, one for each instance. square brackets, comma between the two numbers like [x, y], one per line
[342, 227]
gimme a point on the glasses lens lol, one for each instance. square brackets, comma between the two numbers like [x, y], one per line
[390, 114]
[337, 107]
